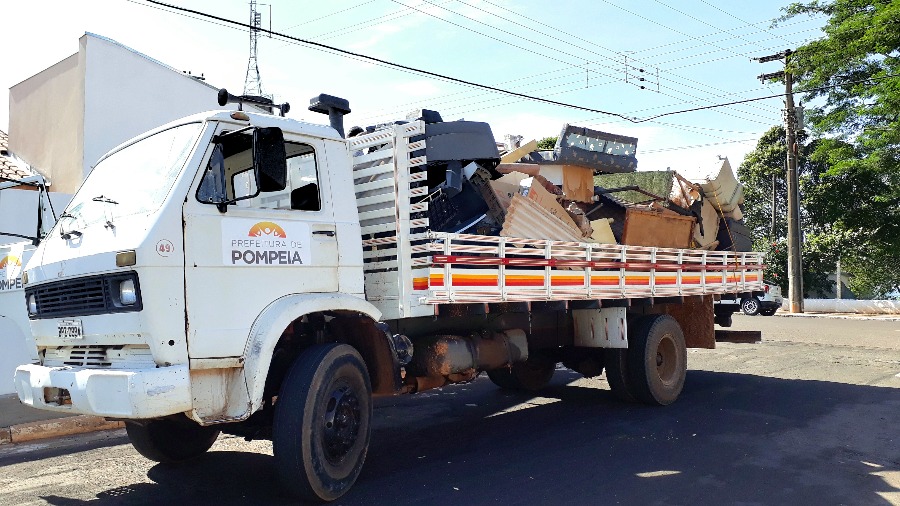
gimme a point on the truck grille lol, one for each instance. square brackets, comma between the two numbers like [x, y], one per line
[82, 296]
[120, 356]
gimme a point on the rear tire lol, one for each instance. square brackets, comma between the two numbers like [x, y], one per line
[616, 361]
[170, 440]
[768, 311]
[322, 423]
[531, 375]
[657, 359]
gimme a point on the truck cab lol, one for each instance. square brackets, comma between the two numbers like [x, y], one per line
[157, 269]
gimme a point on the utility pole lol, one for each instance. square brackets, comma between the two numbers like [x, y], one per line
[795, 264]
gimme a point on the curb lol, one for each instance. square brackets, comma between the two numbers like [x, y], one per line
[842, 316]
[59, 427]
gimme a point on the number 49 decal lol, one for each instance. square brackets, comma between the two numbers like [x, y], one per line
[165, 248]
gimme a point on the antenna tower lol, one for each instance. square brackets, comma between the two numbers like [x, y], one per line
[253, 83]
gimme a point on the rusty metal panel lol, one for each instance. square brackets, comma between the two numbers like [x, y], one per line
[695, 316]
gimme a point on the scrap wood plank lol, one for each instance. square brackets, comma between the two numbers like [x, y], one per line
[517, 154]
[738, 336]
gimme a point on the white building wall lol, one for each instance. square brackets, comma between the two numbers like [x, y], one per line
[127, 93]
[46, 113]
[63, 119]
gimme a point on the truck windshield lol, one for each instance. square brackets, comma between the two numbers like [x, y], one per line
[133, 180]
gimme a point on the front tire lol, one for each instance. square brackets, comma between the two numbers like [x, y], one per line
[768, 311]
[170, 440]
[322, 423]
[750, 306]
[657, 359]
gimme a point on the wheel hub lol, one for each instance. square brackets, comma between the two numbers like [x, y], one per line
[342, 420]
[666, 360]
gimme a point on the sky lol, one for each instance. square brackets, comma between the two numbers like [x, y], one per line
[588, 53]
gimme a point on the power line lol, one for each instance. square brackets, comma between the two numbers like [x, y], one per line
[328, 15]
[586, 49]
[492, 88]
[391, 64]
[743, 21]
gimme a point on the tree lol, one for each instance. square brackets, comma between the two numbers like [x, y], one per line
[547, 143]
[764, 167]
[855, 71]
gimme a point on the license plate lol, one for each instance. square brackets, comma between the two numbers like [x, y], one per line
[70, 329]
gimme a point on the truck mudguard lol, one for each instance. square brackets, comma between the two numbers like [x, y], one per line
[267, 329]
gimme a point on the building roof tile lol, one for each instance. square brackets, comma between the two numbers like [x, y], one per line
[10, 168]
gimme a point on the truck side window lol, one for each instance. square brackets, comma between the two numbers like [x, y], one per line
[234, 153]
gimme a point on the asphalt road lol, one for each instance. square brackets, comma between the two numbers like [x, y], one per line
[808, 416]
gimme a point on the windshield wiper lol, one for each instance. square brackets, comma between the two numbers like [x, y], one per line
[101, 198]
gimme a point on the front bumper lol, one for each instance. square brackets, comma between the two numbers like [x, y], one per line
[117, 393]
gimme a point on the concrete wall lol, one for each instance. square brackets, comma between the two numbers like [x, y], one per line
[849, 306]
[46, 113]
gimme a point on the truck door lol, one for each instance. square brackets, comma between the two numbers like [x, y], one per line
[264, 247]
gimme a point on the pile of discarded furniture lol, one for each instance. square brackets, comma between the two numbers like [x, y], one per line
[586, 189]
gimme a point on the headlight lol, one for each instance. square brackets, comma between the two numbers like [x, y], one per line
[127, 293]
[32, 304]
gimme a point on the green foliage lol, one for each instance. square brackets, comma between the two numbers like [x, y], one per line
[850, 182]
[547, 143]
[764, 167]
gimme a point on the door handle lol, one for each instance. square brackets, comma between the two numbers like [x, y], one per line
[329, 233]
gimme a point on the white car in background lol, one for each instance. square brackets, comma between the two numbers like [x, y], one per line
[752, 304]
[765, 305]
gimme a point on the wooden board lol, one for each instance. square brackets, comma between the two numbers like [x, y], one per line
[652, 228]
[517, 154]
[738, 336]
[603, 233]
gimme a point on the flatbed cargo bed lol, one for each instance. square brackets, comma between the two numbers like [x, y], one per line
[409, 269]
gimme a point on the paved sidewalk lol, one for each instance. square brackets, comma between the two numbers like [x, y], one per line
[20, 423]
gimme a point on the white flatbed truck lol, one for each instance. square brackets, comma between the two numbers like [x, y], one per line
[266, 277]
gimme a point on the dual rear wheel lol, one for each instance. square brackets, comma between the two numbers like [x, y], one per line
[653, 367]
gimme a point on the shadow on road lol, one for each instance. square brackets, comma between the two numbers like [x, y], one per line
[731, 438]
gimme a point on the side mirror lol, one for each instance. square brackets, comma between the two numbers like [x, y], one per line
[269, 159]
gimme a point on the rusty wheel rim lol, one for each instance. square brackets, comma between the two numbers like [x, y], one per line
[667, 360]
